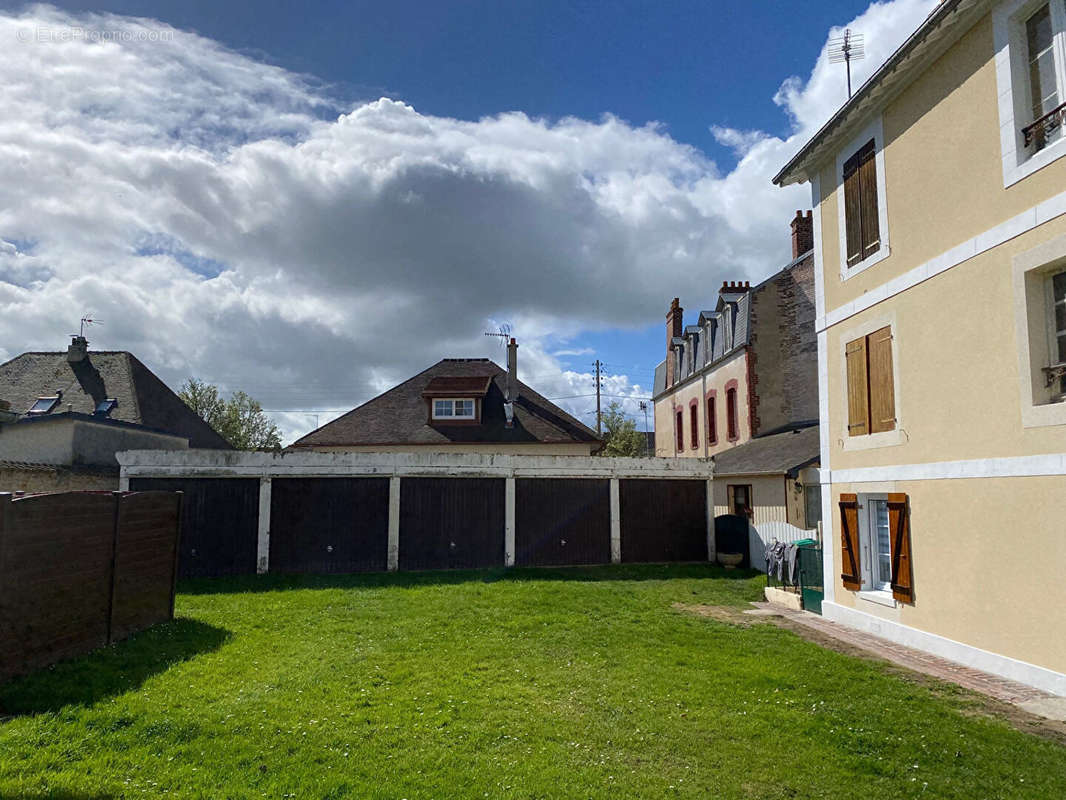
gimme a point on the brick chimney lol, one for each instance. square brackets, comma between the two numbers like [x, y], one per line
[802, 233]
[735, 287]
[674, 330]
[78, 349]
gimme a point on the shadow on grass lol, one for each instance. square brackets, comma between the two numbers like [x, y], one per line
[111, 670]
[376, 580]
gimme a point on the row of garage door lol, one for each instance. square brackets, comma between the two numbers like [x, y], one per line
[340, 525]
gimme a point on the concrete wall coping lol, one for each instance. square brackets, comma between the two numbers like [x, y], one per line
[234, 464]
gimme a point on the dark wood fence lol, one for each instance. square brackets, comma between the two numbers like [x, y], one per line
[79, 570]
[220, 531]
[329, 525]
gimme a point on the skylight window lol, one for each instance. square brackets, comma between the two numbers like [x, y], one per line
[44, 405]
[105, 407]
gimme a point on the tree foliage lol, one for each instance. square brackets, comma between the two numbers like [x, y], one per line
[621, 435]
[240, 420]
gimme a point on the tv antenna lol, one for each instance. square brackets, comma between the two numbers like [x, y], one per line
[845, 49]
[503, 332]
[87, 321]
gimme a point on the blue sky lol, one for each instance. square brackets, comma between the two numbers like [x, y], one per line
[313, 202]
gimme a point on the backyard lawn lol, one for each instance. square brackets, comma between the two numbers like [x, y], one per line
[526, 684]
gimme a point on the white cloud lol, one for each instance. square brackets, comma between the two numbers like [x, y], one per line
[227, 221]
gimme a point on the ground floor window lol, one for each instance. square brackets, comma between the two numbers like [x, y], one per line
[740, 500]
[875, 543]
[812, 505]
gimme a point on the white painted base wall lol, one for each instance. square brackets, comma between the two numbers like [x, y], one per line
[968, 656]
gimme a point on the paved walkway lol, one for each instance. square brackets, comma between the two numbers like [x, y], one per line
[1033, 700]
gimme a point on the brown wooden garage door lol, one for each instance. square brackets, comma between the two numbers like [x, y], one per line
[220, 523]
[560, 521]
[329, 524]
[451, 523]
[663, 520]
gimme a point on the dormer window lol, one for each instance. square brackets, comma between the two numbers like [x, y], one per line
[454, 408]
[42, 406]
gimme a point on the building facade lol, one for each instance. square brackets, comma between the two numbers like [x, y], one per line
[747, 367]
[940, 248]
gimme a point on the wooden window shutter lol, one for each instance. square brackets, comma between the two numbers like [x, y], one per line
[858, 388]
[849, 542]
[853, 210]
[871, 238]
[712, 422]
[694, 418]
[680, 431]
[899, 528]
[882, 388]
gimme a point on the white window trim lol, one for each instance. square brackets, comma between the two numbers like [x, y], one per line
[1031, 270]
[873, 131]
[870, 441]
[867, 562]
[453, 401]
[1012, 85]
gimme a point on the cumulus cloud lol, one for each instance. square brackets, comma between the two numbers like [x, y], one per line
[226, 219]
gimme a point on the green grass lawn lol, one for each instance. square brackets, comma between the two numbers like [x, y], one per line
[525, 684]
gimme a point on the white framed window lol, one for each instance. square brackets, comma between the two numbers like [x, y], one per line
[862, 210]
[875, 542]
[453, 408]
[1040, 325]
[1030, 39]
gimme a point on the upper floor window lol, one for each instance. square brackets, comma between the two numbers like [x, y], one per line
[712, 422]
[1031, 77]
[862, 215]
[731, 413]
[1055, 287]
[694, 420]
[462, 408]
[860, 205]
[871, 387]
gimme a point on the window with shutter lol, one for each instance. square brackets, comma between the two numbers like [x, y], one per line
[731, 413]
[871, 383]
[849, 542]
[694, 424]
[679, 430]
[712, 422]
[900, 534]
[861, 219]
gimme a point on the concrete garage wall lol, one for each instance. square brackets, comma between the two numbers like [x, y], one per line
[443, 511]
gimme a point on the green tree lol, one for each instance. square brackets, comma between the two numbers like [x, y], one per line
[621, 436]
[240, 420]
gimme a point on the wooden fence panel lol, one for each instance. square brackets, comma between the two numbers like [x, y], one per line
[220, 523]
[146, 554]
[451, 523]
[55, 578]
[562, 521]
[329, 525]
[663, 520]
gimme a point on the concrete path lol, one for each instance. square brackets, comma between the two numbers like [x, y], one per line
[1025, 697]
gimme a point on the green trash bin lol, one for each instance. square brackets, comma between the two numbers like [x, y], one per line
[810, 575]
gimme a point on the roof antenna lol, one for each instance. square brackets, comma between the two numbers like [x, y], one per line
[87, 321]
[847, 48]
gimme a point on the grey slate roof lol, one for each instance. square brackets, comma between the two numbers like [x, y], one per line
[143, 399]
[779, 453]
[399, 416]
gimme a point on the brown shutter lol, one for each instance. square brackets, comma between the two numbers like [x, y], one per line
[852, 210]
[899, 527]
[882, 390]
[871, 239]
[858, 388]
[849, 541]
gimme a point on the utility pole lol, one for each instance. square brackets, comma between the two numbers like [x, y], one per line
[599, 415]
[647, 445]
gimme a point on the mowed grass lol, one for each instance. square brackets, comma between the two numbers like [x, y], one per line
[526, 684]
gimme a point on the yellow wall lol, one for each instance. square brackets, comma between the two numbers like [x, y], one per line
[697, 388]
[943, 169]
[986, 570]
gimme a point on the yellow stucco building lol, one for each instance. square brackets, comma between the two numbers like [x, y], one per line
[940, 244]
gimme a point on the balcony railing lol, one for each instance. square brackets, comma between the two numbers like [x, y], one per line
[1038, 132]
